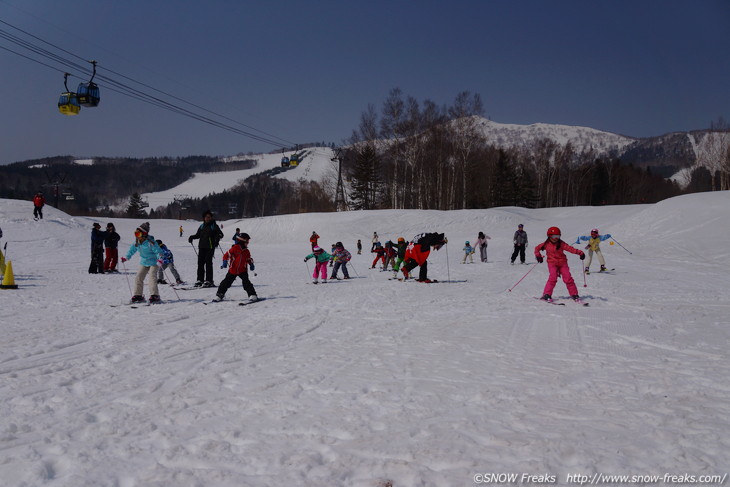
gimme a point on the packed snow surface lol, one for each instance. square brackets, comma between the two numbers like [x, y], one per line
[370, 381]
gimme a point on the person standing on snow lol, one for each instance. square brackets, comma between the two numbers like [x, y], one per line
[150, 255]
[341, 257]
[594, 245]
[468, 252]
[168, 261]
[313, 239]
[209, 234]
[400, 255]
[557, 264]
[520, 243]
[38, 202]
[481, 244]
[237, 260]
[97, 250]
[111, 241]
[320, 267]
[418, 251]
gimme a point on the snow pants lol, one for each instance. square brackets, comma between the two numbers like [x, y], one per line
[320, 269]
[398, 263]
[560, 271]
[230, 279]
[412, 264]
[598, 254]
[377, 258]
[97, 261]
[151, 280]
[519, 249]
[171, 266]
[337, 266]
[110, 262]
[483, 253]
[38, 212]
[205, 264]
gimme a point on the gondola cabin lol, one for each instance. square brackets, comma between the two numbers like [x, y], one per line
[68, 104]
[294, 161]
[88, 94]
[284, 161]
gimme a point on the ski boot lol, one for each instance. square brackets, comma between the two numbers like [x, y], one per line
[161, 281]
[198, 284]
[208, 284]
[155, 299]
[218, 298]
[587, 271]
[547, 297]
[137, 298]
[603, 268]
[253, 298]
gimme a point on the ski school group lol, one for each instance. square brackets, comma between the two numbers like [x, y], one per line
[401, 256]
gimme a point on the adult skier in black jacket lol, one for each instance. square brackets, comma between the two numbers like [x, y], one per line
[209, 234]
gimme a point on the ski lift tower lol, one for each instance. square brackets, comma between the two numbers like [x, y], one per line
[340, 199]
[57, 184]
[180, 200]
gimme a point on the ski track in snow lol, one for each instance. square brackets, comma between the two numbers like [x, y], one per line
[361, 382]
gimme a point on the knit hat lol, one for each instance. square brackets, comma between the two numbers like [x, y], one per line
[316, 249]
[145, 227]
[243, 236]
[96, 225]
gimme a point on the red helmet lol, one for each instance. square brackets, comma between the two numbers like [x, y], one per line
[594, 231]
[553, 231]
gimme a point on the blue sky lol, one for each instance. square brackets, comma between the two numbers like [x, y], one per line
[305, 71]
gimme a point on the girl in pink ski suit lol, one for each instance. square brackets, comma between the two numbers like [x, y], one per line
[557, 263]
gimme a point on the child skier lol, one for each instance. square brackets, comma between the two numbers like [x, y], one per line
[468, 252]
[594, 245]
[390, 254]
[418, 251]
[320, 268]
[341, 257]
[557, 264]
[237, 259]
[150, 254]
[400, 255]
[379, 252]
[168, 262]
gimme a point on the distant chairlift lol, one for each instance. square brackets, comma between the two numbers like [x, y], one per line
[68, 103]
[88, 93]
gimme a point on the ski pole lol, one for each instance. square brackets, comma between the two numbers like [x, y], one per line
[164, 274]
[307, 264]
[531, 268]
[131, 294]
[448, 268]
[196, 250]
[353, 268]
[627, 250]
[585, 284]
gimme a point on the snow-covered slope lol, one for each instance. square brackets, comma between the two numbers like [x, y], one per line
[314, 166]
[370, 382]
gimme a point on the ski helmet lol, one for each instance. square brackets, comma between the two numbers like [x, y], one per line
[466, 243]
[317, 250]
[594, 231]
[553, 231]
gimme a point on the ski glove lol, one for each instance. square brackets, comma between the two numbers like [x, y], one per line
[224, 264]
[251, 266]
[539, 259]
[190, 239]
[124, 259]
[582, 256]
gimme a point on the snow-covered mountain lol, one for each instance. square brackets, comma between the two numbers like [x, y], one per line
[583, 139]
[372, 382]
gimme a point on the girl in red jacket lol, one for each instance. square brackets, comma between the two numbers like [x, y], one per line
[557, 263]
[237, 259]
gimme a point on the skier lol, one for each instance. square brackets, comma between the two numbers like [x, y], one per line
[97, 250]
[557, 264]
[209, 234]
[235, 235]
[375, 240]
[594, 245]
[320, 267]
[111, 241]
[38, 202]
[520, 243]
[481, 244]
[341, 257]
[390, 254]
[181, 230]
[359, 247]
[418, 251]
[468, 252]
[314, 239]
[237, 259]
[379, 252]
[150, 254]
[168, 262]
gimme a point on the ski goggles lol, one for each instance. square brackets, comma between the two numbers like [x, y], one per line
[138, 233]
[555, 236]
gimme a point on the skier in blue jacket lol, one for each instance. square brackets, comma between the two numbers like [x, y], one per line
[594, 246]
[151, 256]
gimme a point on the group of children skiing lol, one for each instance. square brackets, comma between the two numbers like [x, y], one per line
[401, 257]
